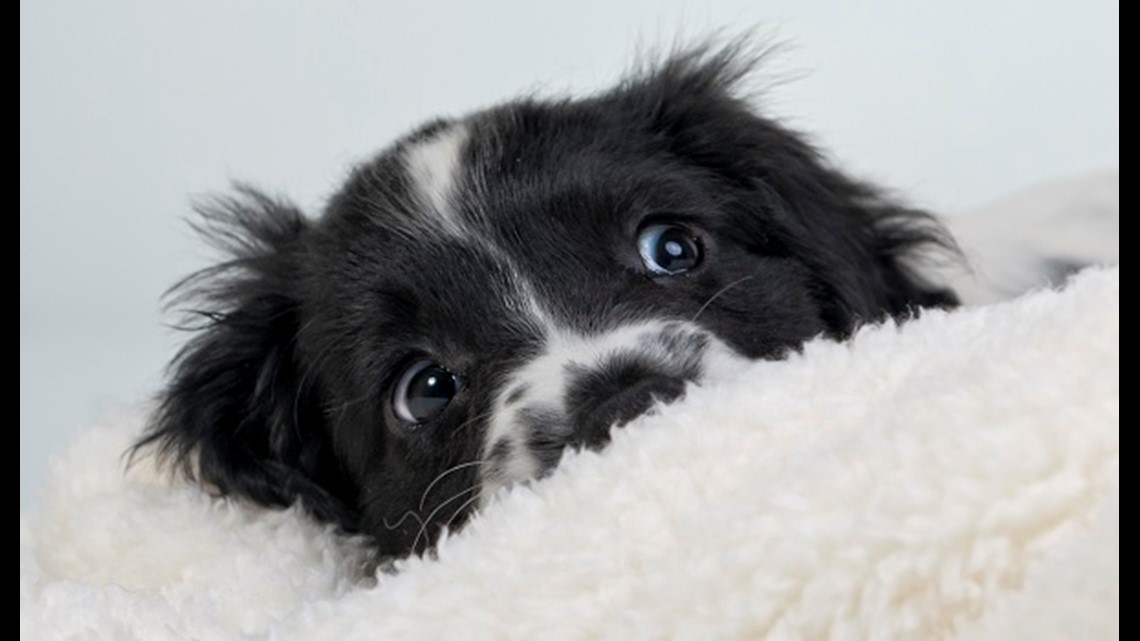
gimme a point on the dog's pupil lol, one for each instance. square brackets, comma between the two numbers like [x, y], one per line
[429, 392]
[676, 251]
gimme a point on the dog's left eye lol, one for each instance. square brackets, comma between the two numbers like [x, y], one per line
[424, 390]
[668, 249]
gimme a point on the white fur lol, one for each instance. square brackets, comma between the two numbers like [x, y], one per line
[433, 165]
[546, 381]
[957, 477]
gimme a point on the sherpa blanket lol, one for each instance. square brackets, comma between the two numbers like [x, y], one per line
[953, 477]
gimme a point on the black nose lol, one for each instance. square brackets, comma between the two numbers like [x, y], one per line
[601, 399]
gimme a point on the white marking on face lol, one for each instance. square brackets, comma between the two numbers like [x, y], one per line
[545, 381]
[522, 299]
[435, 168]
[433, 165]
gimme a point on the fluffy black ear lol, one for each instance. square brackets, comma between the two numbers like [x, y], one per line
[238, 412]
[864, 249]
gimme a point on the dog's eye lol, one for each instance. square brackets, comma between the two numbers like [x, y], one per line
[668, 249]
[425, 388]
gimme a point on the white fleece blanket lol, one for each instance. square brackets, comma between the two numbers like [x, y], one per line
[956, 477]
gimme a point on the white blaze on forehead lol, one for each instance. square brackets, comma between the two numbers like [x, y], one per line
[433, 165]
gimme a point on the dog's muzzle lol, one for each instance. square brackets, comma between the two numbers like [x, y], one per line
[580, 387]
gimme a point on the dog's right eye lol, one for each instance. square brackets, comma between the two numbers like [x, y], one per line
[668, 249]
[424, 390]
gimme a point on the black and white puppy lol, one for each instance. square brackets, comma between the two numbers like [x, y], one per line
[494, 288]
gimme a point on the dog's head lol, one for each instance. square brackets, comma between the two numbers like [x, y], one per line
[497, 287]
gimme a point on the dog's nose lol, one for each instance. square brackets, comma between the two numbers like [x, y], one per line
[600, 400]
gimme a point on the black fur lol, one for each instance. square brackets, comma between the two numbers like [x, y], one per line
[284, 392]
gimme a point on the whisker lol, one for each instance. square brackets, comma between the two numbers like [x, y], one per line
[447, 526]
[403, 518]
[717, 295]
[445, 473]
[472, 420]
[427, 521]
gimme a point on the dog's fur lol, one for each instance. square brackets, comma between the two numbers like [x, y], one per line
[504, 247]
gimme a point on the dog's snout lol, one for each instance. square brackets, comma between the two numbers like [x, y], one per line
[615, 395]
[581, 386]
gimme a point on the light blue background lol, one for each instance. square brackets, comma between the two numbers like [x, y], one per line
[129, 108]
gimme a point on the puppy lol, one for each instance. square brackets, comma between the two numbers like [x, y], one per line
[495, 288]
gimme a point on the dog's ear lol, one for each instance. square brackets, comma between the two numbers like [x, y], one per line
[238, 412]
[864, 249]
[877, 263]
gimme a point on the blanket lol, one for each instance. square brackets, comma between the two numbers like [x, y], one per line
[953, 477]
